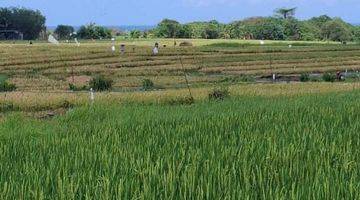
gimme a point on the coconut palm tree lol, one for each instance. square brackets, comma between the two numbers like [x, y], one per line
[286, 12]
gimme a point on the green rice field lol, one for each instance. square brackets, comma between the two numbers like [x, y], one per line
[303, 147]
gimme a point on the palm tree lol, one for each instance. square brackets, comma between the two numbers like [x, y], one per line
[286, 12]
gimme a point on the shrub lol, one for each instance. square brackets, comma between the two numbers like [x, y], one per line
[219, 94]
[304, 77]
[100, 83]
[147, 84]
[7, 87]
[329, 77]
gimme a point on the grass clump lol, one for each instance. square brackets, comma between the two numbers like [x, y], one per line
[238, 79]
[100, 83]
[74, 87]
[181, 100]
[6, 106]
[329, 77]
[147, 84]
[5, 86]
[219, 94]
[305, 77]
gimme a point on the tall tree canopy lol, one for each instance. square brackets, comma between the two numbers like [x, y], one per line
[336, 30]
[168, 28]
[262, 28]
[29, 22]
[92, 31]
[64, 32]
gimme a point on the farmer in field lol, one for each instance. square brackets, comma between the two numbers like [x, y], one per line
[122, 49]
[156, 49]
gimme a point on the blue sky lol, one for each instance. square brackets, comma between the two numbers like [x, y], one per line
[150, 12]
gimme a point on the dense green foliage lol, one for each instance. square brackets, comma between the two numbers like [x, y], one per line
[168, 29]
[135, 34]
[29, 22]
[336, 30]
[248, 148]
[100, 83]
[93, 31]
[304, 77]
[283, 26]
[64, 32]
[329, 77]
[5, 86]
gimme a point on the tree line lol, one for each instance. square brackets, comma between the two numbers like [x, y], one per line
[282, 26]
[23, 23]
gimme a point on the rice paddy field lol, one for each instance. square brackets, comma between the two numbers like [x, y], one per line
[42, 71]
[42, 67]
[268, 140]
[242, 148]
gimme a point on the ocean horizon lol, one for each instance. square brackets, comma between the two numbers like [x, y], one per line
[125, 28]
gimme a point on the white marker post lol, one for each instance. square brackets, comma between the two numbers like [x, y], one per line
[77, 42]
[274, 77]
[113, 49]
[92, 95]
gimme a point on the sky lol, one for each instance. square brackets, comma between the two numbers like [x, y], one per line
[150, 12]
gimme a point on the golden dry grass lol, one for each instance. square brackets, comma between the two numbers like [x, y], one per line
[35, 101]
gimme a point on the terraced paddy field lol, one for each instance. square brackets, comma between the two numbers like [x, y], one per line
[42, 72]
[51, 68]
